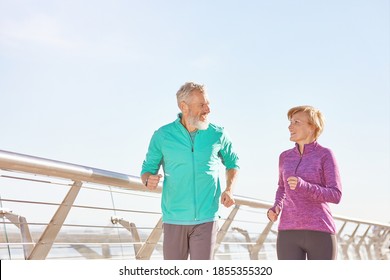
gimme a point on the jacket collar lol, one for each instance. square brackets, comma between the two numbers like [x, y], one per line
[178, 121]
[308, 148]
[179, 124]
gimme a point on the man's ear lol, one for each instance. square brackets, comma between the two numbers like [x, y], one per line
[183, 107]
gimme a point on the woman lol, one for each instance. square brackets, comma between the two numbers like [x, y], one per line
[308, 180]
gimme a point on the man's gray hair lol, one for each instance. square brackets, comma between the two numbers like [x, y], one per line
[184, 93]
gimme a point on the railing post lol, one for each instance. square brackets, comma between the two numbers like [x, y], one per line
[145, 252]
[225, 227]
[350, 239]
[359, 244]
[131, 227]
[25, 234]
[385, 244]
[380, 241]
[43, 247]
[260, 241]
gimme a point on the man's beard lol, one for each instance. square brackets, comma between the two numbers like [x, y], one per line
[196, 122]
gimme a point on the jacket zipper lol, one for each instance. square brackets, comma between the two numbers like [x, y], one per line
[296, 168]
[192, 141]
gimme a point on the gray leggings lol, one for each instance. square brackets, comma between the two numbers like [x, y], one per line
[196, 241]
[306, 244]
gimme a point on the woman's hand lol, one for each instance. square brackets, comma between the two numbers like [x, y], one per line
[273, 215]
[292, 182]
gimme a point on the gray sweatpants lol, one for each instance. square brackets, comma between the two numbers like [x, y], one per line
[196, 241]
[306, 244]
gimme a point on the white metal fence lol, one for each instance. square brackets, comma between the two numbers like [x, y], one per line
[56, 210]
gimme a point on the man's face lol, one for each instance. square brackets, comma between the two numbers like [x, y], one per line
[198, 110]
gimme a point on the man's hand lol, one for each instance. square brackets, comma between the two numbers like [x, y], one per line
[152, 181]
[227, 199]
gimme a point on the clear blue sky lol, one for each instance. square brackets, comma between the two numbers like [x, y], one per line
[88, 82]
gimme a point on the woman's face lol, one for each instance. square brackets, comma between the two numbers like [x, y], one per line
[301, 131]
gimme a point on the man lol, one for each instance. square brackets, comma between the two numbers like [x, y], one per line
[190, 150]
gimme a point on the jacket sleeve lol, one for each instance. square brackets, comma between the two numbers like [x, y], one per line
[227, 154]
[280, 192]
[154, 156]
[331, 191]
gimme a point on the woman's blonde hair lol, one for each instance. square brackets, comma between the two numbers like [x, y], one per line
[316, 118]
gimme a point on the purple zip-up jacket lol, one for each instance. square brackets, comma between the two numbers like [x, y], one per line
[306, 207]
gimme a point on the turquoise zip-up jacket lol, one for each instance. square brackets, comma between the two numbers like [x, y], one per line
[191, 186]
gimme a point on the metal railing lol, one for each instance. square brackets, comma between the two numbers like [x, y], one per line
[57, 210]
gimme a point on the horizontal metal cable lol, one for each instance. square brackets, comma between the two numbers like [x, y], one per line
[81, 226]
[78, 206]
